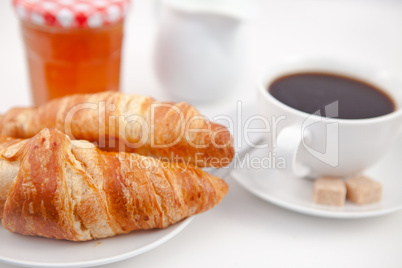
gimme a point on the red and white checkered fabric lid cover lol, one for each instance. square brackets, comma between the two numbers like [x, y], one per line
[72, 13]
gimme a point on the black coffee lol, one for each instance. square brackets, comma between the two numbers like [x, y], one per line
[310, 92]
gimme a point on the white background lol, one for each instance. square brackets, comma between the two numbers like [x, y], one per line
[244, 231]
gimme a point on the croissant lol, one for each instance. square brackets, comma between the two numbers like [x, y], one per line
[53, 187]
[119, 122]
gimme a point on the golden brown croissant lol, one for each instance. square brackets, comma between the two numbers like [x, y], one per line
[53, 187]
[119, 122]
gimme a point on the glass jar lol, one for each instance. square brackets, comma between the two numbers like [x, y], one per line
[72, 46]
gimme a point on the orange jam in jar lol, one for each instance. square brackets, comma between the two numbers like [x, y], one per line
[72, 46]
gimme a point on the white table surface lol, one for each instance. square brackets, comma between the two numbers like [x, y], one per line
[244, 231]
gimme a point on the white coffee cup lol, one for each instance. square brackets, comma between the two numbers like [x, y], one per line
[313, 145]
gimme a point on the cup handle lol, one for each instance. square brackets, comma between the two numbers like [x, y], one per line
[288, 144]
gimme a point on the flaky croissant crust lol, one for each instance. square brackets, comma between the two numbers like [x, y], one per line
[120, 122]
[53, 187]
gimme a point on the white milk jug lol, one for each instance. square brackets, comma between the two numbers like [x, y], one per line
[200, 47]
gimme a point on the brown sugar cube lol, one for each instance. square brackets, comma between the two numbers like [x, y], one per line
[363, 190]
[329, 191]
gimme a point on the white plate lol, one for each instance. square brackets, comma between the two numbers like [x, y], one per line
[296, 194]
[42, 252]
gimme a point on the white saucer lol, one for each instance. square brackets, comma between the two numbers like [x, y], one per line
[296, 194]
[42, 252]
